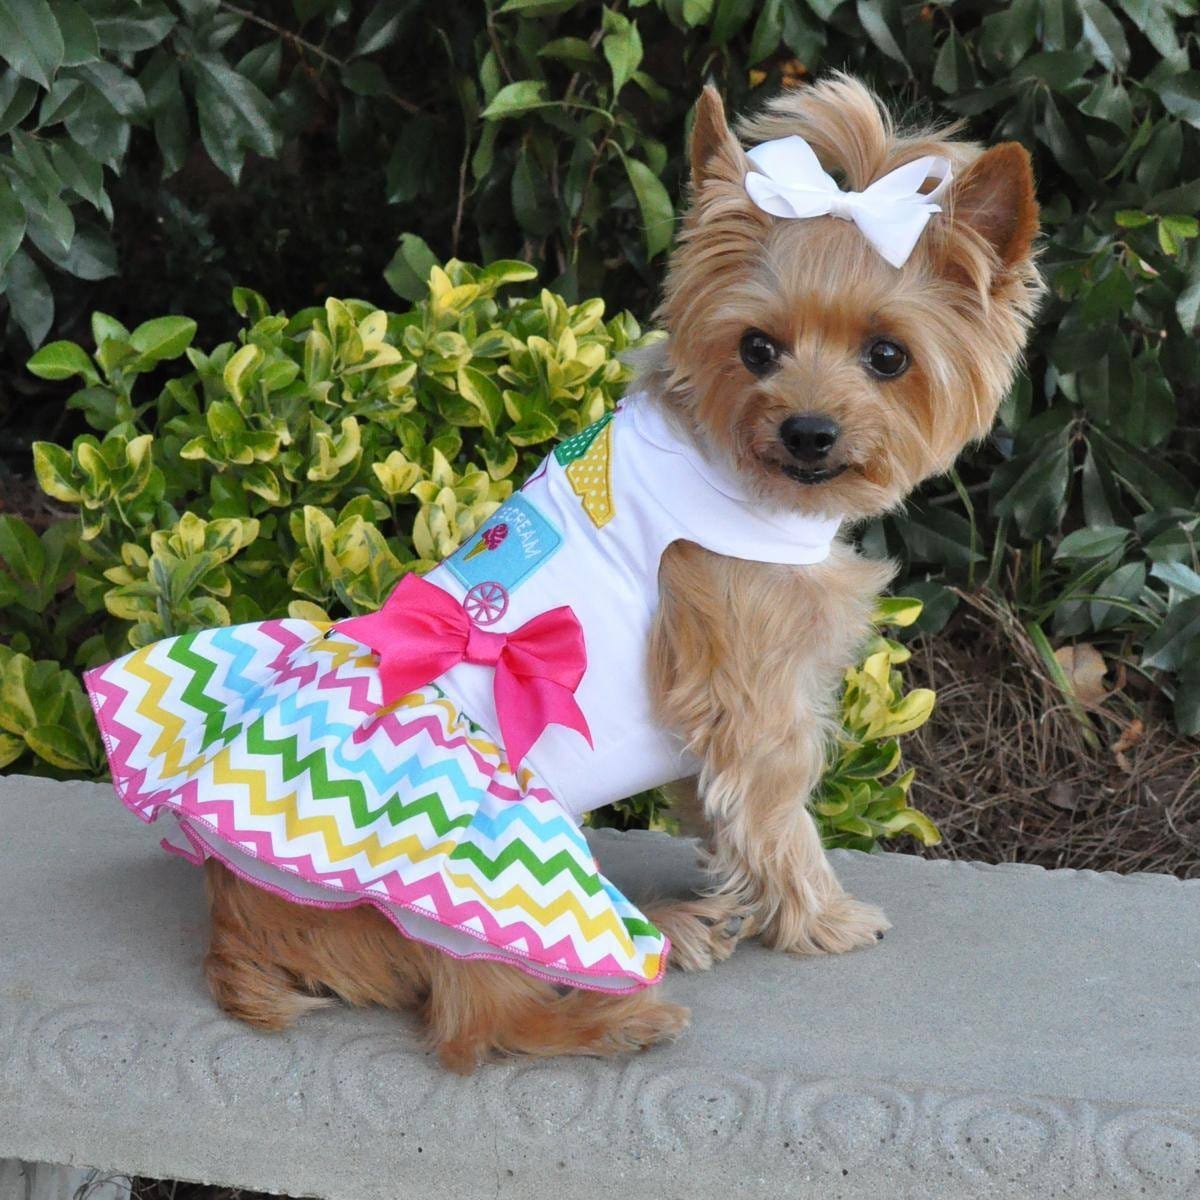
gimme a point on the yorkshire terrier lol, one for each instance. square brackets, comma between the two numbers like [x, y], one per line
[827, 380]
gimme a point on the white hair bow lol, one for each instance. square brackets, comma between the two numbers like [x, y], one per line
[789, 181]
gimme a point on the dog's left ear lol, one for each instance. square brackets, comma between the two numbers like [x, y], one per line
[995, 197]
[715, 152]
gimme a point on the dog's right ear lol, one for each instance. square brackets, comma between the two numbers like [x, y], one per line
[716, 153]
[995, 198]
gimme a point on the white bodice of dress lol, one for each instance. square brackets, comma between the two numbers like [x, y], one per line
[589, 533]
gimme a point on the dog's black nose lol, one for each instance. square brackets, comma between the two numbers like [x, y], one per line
[809, 438]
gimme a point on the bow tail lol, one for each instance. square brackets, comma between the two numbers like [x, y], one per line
[526, 704]
[894, 236]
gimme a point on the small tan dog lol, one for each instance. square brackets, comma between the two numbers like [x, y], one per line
[829, 381]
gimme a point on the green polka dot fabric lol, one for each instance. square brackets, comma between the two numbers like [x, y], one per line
[577, 446]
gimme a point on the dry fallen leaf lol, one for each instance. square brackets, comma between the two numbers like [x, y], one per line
[1084, 668]
[1131, 735]
[1063, 795]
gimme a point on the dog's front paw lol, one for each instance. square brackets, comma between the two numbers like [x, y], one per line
[702, 931]
[841, 924]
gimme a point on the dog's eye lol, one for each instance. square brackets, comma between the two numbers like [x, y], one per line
[760, 353]
[885, 358]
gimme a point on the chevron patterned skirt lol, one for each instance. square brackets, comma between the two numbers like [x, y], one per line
[268, 745]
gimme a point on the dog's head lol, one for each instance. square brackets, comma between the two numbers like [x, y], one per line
[830, 380]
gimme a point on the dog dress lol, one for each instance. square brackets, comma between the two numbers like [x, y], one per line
[434, 759]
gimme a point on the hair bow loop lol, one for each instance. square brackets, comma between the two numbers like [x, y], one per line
[788, 181]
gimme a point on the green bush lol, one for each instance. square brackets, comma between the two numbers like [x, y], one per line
[320, 457]
[308, 466]
[861, 798]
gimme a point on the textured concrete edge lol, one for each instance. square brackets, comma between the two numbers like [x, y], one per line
[818, 1136]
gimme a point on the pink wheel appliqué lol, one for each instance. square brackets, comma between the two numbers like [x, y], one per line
[486, 603]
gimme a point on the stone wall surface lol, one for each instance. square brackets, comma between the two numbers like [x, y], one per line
[1020, 1033]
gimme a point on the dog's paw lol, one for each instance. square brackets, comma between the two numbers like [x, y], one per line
[702, 931]
[644, 1026]
[842, 924]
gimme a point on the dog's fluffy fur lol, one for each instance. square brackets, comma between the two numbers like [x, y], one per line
[745, 657]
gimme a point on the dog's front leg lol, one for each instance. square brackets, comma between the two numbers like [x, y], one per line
[746, 663]
[767, 852]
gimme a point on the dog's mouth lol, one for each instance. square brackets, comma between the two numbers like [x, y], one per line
[812, 475]
[769, 459]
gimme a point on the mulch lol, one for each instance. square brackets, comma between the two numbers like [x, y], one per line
[1012, 772]
[171, 1189]
[23, 498]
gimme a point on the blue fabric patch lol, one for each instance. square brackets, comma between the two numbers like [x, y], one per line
[514, 541]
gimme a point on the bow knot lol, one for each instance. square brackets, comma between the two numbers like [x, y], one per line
[483, 646]
[422, 631]
[842, 207]
[789, 181]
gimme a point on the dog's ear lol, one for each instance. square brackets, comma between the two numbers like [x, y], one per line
[715, 151]
[995, 198]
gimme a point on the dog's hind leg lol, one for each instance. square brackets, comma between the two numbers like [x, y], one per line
[246, 978]
[270, 960]
[478, 1009]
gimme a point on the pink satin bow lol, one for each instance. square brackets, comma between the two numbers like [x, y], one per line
[422, 631]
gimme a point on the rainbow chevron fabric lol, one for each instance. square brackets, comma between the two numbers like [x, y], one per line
[268, 744]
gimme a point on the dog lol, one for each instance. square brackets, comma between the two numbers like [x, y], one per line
[825, 379]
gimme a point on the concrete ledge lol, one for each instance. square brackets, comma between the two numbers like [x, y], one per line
[1020, 1033]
